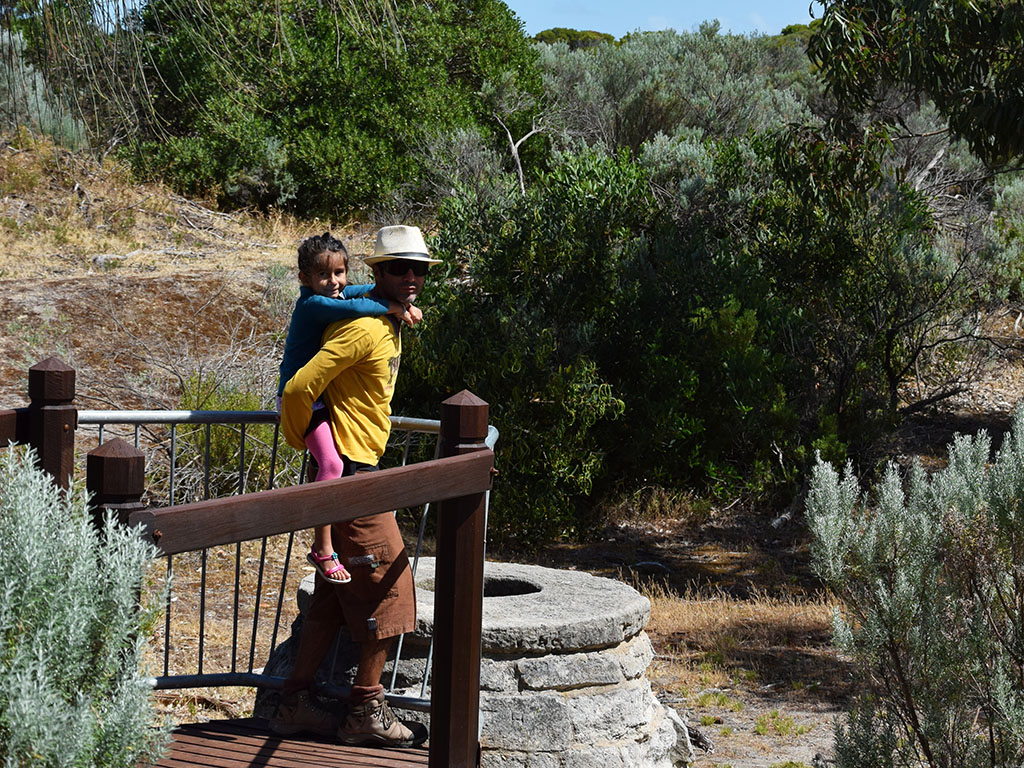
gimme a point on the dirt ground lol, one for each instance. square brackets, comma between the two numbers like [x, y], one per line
[763, 684]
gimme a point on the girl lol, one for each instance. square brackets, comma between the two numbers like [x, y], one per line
[325, 297]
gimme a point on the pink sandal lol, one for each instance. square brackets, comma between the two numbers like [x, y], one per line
[326, 573]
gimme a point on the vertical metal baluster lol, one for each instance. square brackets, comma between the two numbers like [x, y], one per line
[234, 620]
[238, 554]
[241, 460]
[405, 451]
[273, 457]
[202, 610]
[174, 447]
[263, 556]
[137, 436]
[416, 557]
[206, 464]
[167, 619]
[337, 645]
[101, 434]
[256, 609]
[203, 556]
[281, 591]
[419, 544]
[426, 669]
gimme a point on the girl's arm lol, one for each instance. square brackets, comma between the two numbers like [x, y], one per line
[354, 291]
[410, 315]
[324, 310]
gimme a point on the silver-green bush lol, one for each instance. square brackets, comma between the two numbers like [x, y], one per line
[25, 99]
[72, 629]
[930, 570]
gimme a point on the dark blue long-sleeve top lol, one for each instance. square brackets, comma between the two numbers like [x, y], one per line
[312, 314]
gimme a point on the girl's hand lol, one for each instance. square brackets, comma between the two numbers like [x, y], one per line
[411, 315]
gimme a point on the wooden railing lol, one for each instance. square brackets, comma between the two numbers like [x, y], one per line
[459, 480]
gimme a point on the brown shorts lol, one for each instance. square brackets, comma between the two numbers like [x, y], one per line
[380, 601]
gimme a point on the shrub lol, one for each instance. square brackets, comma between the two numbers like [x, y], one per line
[930, 571]
[71, 688]
[304, 105]
[554, 312]
[25, 100]
[666, 82]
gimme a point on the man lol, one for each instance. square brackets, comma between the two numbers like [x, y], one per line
[356, 370]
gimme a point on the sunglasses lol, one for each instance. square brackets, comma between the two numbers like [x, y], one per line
[398, 267]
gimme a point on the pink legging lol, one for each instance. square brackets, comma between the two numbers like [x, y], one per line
[320, 443]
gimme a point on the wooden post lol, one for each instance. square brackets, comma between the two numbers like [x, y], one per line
[116, 478]
[458, 611]
[52, 418]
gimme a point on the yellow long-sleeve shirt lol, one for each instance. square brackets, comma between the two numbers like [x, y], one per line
[355, 370]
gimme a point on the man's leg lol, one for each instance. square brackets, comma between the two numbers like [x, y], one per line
[371, 721]
[319, 628]
[373, 654]
[297, 711]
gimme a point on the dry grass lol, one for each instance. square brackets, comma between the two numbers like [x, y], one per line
[757, 673]
[65, 213]
[710, 639]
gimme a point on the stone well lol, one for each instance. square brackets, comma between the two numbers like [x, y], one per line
[563, 675]
[562, 680]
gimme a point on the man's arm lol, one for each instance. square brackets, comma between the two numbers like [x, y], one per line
[343, 346]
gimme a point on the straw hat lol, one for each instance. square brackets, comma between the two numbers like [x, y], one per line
[400, 242]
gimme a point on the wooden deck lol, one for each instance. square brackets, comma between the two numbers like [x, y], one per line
[250, 744]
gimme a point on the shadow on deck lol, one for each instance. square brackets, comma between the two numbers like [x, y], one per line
[248, 742]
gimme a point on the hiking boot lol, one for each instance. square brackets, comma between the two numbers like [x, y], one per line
[298, 713]
[373, 724]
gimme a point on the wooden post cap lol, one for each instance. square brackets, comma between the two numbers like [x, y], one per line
[115, 471]
[464, 418]
[51, 382]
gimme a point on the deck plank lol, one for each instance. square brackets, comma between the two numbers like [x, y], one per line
[248, 743]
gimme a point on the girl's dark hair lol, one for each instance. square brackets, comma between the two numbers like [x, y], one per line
[312, 249]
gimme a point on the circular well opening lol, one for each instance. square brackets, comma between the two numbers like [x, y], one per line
[507, 587]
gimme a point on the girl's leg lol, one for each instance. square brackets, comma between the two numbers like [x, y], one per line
[320, 443]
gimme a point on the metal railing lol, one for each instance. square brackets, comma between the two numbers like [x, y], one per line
[160, 433]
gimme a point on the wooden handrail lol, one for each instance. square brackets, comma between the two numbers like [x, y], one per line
[190, 527]
[13, 426]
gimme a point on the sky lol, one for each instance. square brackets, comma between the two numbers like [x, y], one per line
[619, 18]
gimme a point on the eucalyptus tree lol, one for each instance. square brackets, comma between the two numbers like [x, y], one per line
[966, 56]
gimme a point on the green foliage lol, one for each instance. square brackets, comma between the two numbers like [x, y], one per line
[554, 312]
[798, 34]
[965, 56]
[710, 312]
[275, 106]
[855, 263]
[574, 38]
[528, 345]
[71, 687]
[89, 54]
[929, 571]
